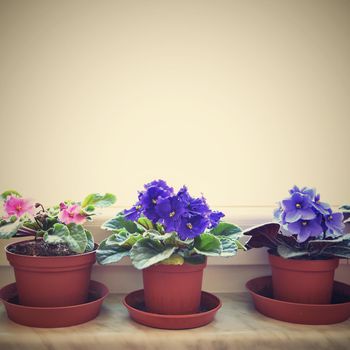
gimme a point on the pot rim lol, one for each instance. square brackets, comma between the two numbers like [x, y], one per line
[45, 257]
[184, 268]
[303, 264]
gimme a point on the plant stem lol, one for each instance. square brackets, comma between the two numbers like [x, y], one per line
[23, 233]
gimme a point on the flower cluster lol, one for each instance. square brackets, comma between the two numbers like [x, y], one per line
[178, 212]
[17, 206]
[304, 215]
[71, 214]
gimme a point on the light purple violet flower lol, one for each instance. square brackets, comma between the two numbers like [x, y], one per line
[305, 229]
[334, 224]
[298, 206]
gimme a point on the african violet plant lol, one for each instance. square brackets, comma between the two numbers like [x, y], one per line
[169, 228]
[307, 229]
[60, 224]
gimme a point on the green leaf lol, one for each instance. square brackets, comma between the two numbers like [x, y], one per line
[58, 234]
[108, 254]
[147, 252]
[89, 209]
[345, 207]
[187, 243]
[7, 193]
[99, 200]
[123, 239]
[76, 239]
[341, 238]
[53, 239]
[119, 222]
[288, 253]
[175, 259]
[160, 228]
[73, 235]
[207, 244]
[226, 229]
[153, 234]
[8, 230]
[90, 246]
[228, 245]
[146, 223]
[60, 230]
[195, 259]
[340, 250]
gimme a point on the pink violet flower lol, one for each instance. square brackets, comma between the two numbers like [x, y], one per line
[71, 214]
[17, 206]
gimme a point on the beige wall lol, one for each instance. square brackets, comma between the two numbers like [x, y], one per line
[238, 99]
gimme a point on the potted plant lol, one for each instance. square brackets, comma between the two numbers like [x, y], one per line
[304, 247]
[54, 268]
[168, 236]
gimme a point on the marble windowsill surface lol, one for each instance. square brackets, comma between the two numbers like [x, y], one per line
[237, 326]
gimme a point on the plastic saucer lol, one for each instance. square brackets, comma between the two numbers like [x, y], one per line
[49, 317]
[313, 314]
[134, 302]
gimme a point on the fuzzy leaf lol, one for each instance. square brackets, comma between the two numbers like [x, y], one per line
[263, 236]
[153, 234]
[146, 223]
[58, 235]
[7, 193]
[99, 200]
[108, 254]
[207, 244]
[341, 250]
[195, 259]
[76, 239]
[89, 209]
[60, 230]
[175, 259]
[226, 229]
[119, 222]
[123, 239]
[53, 239]
[288, 253]
[228, 245]
[8, 230]
[147, 252]
[90, 246]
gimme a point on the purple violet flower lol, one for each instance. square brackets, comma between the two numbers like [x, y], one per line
[304, 215]
[298, 206]
[334, 224]
[134, 212]
[323, 208]
[160, 184]
[186, 215]
[192, 226]
[305, 229]
[150, 197]
[169, 211]
[308, 191]
[215, 217]
[193, 205]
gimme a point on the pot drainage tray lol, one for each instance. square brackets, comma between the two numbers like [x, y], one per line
[134, 302]
[314, 314]
[50, 317]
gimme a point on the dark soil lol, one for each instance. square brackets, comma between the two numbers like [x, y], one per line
[40, 248]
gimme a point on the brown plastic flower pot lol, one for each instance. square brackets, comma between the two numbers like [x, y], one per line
[303, 281]
[173, 289]
[52, 280]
